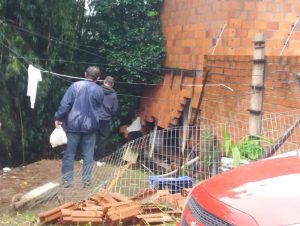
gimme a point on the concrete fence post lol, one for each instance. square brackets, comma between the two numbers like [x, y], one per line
[256, 98]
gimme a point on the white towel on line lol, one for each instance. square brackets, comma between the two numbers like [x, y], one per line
[34, 77]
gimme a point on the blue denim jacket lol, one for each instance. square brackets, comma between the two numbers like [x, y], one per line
[79, 108]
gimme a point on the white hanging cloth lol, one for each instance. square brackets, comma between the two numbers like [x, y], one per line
[34, 77]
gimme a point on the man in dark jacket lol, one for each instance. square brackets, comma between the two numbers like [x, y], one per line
[79, 113]
[107, 111]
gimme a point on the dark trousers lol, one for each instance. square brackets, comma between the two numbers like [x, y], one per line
[103, 135]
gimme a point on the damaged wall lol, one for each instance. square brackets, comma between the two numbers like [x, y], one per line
[192, 28]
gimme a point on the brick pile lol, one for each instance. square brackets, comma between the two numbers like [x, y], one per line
[150, 207]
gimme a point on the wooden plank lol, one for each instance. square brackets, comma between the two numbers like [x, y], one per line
[151, 208]
[93, 208]
[89, 205]
[66, 212]
[149, 215]
[82, 220]
[33, 194]
[122, 208]
[109, 198]
[124, 216]
[67, 219]
[181, 78]
[102, 198]
[111, 205]
[172, 79]
[57, 209]
[159, 219]
[119, 197]
[173, 212]
[51, 218]
[90, 202]
[54, 214]
[98, 200]
[86, 214]
[120, 211]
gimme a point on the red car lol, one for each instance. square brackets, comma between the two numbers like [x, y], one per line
[266, 192]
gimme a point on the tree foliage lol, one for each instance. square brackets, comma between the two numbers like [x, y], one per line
[123, 37]
[26, 37]
[128, 34]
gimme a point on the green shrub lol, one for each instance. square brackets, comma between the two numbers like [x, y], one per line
[250, 148]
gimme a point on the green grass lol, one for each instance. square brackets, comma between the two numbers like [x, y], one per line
[18, 219]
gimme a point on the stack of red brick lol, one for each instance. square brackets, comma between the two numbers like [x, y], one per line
[147, 208]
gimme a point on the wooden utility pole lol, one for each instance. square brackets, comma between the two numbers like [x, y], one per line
[256, 99]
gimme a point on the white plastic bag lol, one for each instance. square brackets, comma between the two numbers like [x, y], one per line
[58, 137]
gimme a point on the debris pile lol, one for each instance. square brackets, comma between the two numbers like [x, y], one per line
[149, 207]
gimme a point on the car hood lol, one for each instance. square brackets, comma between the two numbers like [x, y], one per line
[267, 190]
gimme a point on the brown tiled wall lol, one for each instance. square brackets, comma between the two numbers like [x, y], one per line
[191, 29]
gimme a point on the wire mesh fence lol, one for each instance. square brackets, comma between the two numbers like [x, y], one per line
[181, 157]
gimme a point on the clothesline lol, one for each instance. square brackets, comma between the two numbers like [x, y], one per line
[67, 76]
[34, 77]
[138, 83]
[81, 78]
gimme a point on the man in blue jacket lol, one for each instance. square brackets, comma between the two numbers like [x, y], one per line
[79, 113]
[107, 111]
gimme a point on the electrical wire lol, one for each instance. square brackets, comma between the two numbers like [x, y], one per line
[56, 74]
[130, 83]
[133, 83]
[170, 101]
[58, 41]
[67, 76]
[105, 64]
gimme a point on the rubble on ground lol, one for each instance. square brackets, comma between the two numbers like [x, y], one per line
[150, 207]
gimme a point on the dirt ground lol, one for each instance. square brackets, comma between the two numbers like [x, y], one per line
[21, 180]
[24, 179]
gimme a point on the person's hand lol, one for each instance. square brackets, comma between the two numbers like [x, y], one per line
[57, 124]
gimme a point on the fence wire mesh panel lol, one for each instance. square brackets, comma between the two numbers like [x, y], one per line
[182, 156]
